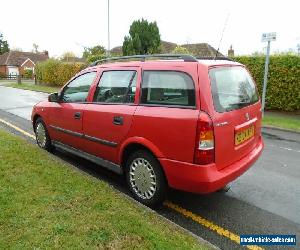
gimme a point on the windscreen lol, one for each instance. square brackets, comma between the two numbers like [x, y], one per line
[232, 88]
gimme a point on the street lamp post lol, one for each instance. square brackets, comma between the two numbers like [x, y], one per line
[108, 34]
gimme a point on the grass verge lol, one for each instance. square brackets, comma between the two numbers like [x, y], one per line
[41, 88]
[282, 121]
[45, 203]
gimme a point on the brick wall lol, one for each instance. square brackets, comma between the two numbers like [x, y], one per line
[28, 64]
[3, 70]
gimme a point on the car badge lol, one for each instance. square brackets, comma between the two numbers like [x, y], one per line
[247, 116]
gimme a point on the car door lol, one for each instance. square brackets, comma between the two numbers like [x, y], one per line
[236, 115]
[67, 115]
[168, 111]
[108, 118]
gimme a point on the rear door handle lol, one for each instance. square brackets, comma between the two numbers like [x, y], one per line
[118, 120]
[77, 115]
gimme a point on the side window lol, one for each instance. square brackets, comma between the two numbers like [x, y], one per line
[116, 87]
[78, 89]
[167, 88]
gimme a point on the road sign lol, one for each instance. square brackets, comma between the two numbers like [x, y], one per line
[268, 37]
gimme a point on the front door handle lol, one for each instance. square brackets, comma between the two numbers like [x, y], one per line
[118, 120]
[77, 115]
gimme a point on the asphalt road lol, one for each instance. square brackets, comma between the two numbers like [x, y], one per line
[265, 200]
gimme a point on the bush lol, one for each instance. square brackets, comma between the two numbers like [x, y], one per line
[28, 73]
[283, 89]
[56, 73]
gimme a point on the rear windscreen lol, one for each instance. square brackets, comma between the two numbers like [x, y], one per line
[232, 88]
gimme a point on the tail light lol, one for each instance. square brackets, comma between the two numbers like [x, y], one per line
[204, 148]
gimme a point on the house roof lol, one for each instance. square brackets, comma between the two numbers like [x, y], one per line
[116, 50]
[74, 60]
[17, 58]
[196, 49]
[202, 50]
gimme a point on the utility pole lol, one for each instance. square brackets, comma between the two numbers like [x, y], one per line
[108, 33]
[266, 37]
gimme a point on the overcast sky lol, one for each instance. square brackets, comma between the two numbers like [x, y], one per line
[65, 25]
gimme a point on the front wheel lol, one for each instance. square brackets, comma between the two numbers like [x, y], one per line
[41, 134]
[145, 178]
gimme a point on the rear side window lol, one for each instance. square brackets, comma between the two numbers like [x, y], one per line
[232, 88]
[116, 87]
[170, 88]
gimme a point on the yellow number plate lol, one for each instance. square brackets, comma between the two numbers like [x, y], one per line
[244, 135]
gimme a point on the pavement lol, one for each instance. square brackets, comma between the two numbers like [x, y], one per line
[265, 200]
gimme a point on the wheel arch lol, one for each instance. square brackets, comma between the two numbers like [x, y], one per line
[134, 143]
[34, 119]
[138, 143]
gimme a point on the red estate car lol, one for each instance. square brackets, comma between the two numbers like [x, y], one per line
[180, 122]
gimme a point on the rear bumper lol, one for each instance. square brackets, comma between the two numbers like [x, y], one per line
[206, 179]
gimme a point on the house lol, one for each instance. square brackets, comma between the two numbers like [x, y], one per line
[16, 62]
[196, 49]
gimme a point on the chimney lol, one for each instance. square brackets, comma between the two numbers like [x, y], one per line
[46, 53]
[231, 52]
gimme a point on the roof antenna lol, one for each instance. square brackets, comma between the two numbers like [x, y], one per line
[225, 24]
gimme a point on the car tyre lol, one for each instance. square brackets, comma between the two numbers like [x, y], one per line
[146, 179]
[42, 136]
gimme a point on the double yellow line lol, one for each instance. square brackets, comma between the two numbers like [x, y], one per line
[17, 129]
[196, 218]
[208, 224]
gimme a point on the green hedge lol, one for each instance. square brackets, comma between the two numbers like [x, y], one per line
[56, 73]
[283, 89]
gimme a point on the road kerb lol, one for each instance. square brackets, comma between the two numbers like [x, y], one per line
[17, 129]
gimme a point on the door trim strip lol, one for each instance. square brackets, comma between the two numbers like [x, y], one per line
[97, 160]
[87, 137]
[66, 131]
[101, 141]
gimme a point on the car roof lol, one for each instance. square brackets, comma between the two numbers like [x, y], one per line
[204, 62]
[179, 60]
[218, 62]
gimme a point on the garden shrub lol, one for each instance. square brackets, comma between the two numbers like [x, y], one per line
[56, 73]
[283, 89]
[28, 73]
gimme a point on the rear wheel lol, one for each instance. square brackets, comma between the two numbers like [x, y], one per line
[145, 178]
[41, 134]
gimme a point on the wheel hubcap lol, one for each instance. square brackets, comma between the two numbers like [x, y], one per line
[41, 135]
[142, 178]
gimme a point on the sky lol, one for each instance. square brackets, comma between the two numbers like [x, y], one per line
[64, 25]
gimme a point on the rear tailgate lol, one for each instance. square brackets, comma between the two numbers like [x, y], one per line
[237, 116]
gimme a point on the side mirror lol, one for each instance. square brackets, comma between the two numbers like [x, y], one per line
[54, 97]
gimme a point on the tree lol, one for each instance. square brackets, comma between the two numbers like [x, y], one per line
[4, 47]
[144, 38]
[181, 50]
[92, 54]
[35, 48]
